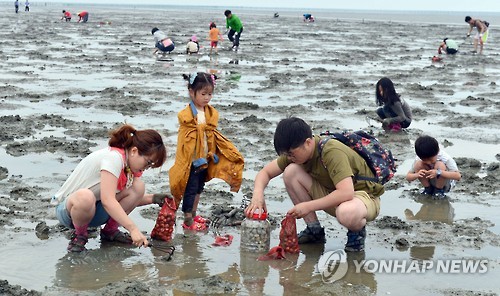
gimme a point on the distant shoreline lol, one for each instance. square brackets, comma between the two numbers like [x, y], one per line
[405, 16]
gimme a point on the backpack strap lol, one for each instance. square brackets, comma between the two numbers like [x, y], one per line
[193, 109]
[340, 137]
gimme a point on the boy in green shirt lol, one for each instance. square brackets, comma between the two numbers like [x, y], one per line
[236, 28]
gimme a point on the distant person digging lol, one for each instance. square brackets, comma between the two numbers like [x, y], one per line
[66, 16]
[448, 46]
[193, 47]
[163, 44]
[308, 18]
[83, 17]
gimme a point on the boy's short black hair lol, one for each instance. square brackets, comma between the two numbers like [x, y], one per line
[227, 12]
[426, 147]
[154, 30]
[290, 134]
[467, 19]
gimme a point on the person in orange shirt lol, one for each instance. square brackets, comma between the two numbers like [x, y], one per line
[83, 17]
[214, 36]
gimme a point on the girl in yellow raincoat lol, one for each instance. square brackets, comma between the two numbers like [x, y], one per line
[202, 152]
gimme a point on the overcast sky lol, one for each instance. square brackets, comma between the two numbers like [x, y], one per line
[440, 5]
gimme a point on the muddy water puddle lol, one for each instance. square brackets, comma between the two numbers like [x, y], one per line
[195, 257]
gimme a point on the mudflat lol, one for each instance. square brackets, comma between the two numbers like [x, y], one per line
[65, 85]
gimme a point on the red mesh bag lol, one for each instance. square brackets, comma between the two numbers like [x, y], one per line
[165, 222]
[223, 240]
[288, 235]
[275, 253]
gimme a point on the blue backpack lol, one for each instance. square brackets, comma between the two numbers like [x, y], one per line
[378, 158]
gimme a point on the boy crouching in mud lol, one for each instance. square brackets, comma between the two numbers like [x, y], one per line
[313, 186]
[434, 168]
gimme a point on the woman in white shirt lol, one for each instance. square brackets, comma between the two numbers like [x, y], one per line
[106, 186]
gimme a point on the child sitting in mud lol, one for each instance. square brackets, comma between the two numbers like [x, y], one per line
[202, 152]
[434, 168]
[395, 113]
[162, 42]
[106, 186]
[193, 46]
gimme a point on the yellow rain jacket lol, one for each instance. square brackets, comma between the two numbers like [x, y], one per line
[191, 145]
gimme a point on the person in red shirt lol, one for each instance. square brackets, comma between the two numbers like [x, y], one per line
[83, 16]
[66, 16]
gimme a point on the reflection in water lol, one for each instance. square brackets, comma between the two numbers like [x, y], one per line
[193, 58]
[214, 66]
[235, 76]
[214, 61]
[432, 210]
[253, 272]
[87, 270]
[362, 277]
[192, 266]
[293, 279]
[422, 253]
[213, 71]
[302, 278]
[232, 274]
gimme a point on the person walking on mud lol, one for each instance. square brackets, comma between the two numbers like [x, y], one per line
[105, 188]
[16, 5]
[482, 32]
[320, 180]
[27, 6]
[214, 36]
[236, 28]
